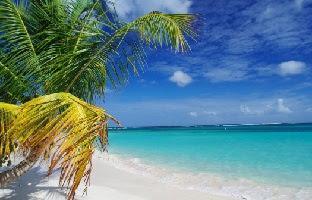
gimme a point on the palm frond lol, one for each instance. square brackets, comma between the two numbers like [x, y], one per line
[50, 46]
[8, 114]
[13, 27]
[157, 28]
[154, 28]
[16, 44]
[12, 80]
[67, 127]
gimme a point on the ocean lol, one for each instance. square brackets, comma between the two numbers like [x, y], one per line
[273, 159]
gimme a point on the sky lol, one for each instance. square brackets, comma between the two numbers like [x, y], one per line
[250, 64]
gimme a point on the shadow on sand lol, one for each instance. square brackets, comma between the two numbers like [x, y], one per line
[32, 186]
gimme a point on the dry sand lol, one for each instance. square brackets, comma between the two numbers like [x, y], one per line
[107, 183]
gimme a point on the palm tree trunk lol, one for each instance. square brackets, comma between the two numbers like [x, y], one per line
[8, 176]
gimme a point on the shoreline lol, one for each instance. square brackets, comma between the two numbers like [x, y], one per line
[118, 179]
[211, 183]
[107, 182]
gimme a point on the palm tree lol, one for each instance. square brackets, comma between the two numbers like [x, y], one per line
[56, 57]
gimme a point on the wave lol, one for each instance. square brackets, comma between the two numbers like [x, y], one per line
[237, 188]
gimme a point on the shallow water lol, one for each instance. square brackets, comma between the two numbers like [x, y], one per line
[278, 157]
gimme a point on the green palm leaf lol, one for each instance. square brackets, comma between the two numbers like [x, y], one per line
[97, 60]
[49, 47]
[17, 45]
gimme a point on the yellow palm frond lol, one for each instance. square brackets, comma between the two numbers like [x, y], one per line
[65, 127]
[8, 113]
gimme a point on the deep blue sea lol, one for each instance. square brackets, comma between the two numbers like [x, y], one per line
[278, 154]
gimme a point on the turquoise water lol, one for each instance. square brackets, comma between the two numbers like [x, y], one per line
[279, 154]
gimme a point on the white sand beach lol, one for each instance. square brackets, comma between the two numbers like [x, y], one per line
[107, 182]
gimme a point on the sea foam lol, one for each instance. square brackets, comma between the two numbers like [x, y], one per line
[216, 184]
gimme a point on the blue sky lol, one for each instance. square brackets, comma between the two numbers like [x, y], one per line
[252, 63]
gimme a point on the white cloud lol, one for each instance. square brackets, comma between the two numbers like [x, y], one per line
[256, 109]
[245, 109]
[180, 78]
[227, 52]
[264, 109]
[291, 68]
[202, 113]
[193, 114]
[281, 107]
[129, 9]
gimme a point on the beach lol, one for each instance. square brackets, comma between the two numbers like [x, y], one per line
[107, 182]
[119, 179]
